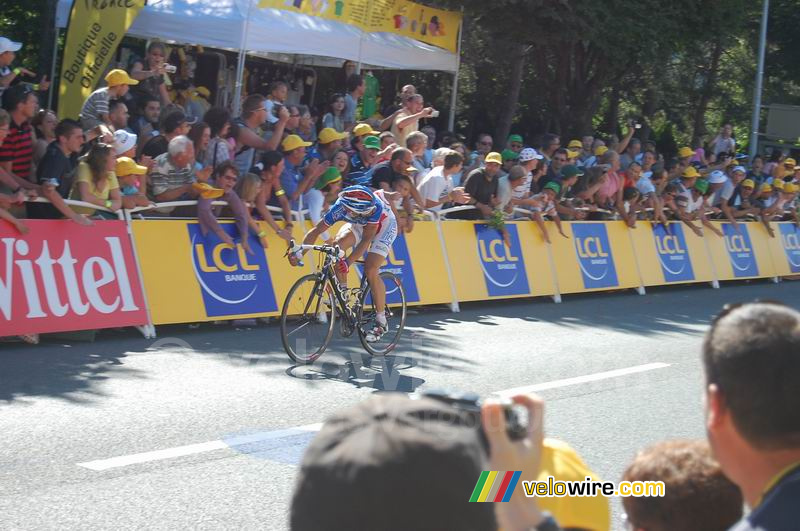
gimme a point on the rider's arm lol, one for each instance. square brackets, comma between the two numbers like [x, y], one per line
[370, 230]
[313, 234]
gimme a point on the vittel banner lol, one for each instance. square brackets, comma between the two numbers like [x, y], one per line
[62, 276]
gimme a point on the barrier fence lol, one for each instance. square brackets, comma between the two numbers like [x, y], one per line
[145, 272]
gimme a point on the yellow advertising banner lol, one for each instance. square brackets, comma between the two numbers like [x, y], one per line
[670, 254]
[402, 17]
[95, 29]
[741, 252]
[484, 267]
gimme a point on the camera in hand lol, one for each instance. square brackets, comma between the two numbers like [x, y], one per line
[515, 415]
[276, 109]
[170, 69]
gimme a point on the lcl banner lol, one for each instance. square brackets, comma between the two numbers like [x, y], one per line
[62, 276]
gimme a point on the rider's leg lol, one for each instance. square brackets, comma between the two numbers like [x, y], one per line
[345, 239]
[372, 271]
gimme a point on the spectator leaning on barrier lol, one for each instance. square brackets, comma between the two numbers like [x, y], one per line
[731, 198]
[543, 204]
[96, 182]
[565, 199]
[558, 160]
[95, 110]
[482, 185]
[55, 174]
[16, 152]
[173, 173]
[269, 169]
[243, 130]
[225, 177]
[132, 179]
[529, 159]
[751, 358]
[697, 495]
[437, 187]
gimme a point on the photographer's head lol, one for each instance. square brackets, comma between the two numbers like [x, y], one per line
[424, 450]
[752, 366]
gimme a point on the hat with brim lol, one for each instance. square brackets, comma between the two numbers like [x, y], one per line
[701, 185]
[364, 129]
[7, 45]
[575, 144]
[119, 77]
[331, 175]
[494, 157]
[717, 177]
[207, 191]
[292, 142]
[599, 151]
[329, 134]
[554, 186]
[690, 173]
[128, 166]
[685, 152]
[372, 142]
[509, 155]
[515, 138]
[569, 171]
[124, 141]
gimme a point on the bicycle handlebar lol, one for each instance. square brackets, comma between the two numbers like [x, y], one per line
[332, 250]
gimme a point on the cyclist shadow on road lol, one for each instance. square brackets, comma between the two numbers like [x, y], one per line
[361, 371]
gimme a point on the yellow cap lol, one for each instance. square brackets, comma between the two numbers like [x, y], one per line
[790, 162]
[207, 191]
[564, 464]
[778, 183]
[690, 173]
[685, 152]
[328, 135]
[292, 142]
[128, 166]
[748, 183]
[119, 77]
[363, 130]
[575, 144]
[765, 188]
[600, 151]
[790, 188]
[203, 91]
[494, 157]
[572, 154]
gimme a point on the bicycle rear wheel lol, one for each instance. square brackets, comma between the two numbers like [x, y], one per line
[307, 319]
[395, 315]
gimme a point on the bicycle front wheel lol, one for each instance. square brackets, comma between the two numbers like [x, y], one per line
[307, 319]
[395, 315]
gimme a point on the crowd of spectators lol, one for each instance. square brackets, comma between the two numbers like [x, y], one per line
[135, 122]
[374, 461]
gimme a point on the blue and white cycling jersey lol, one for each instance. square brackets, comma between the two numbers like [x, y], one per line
[382, 210]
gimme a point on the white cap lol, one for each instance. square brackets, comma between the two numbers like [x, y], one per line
[123, 141]
[717, 177]
[529, 154]
[7, 45]
[739, 168]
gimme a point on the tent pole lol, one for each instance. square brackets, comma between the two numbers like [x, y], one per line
[451, 122]
[237, 94]
[53, 86]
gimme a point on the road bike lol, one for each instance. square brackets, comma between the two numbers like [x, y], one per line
[317, 300]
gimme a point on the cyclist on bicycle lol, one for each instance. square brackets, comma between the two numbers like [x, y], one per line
[371, 227]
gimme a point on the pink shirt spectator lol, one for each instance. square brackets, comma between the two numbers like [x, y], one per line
[608, 191]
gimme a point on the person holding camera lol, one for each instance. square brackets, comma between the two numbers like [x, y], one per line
[371, 462]
[407, 120]
[150, 73]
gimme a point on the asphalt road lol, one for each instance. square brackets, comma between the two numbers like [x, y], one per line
[203, 429]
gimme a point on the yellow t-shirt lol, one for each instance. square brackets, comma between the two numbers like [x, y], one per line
[84, 175]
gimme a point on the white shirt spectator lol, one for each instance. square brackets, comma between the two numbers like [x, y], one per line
[645, 185]
[435, 186]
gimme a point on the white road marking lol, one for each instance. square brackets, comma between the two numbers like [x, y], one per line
[535, 388]
[308, 429]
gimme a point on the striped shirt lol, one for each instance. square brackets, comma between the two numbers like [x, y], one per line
[94, 107]
[166, 176]
[18, 148]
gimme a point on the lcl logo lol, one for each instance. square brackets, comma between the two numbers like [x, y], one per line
[492, 254]
[791, 242]
[590, 247]
[218, 263]
[736, 244]
[669, 244]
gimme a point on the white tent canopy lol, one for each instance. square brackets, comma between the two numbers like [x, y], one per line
[240, 24]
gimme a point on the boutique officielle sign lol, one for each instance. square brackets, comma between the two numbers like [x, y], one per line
[423, 23]
[95, 29]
